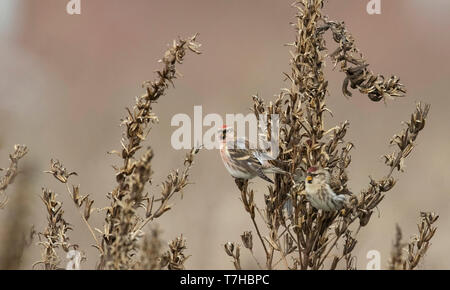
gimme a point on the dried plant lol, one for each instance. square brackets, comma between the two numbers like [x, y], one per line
[17, 236]
[124, 226]
[355, 67]
[151, 256]
[290, 231]
[81, 201]
[120, 243]
[150, 251]
[54, 237]
[11, 172]
[174, 258]
[408, 256]
[234, 250]
[298, 235]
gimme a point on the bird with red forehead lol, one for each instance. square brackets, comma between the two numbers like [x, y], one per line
[319, 192]
[244, 161]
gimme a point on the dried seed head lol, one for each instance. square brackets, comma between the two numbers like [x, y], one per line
[247, 240]
[229, 249]
[59, 171]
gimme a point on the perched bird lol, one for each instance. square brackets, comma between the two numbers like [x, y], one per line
[319, 192]
[244, 161]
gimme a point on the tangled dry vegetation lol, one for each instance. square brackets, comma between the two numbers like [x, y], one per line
[11, 172]
[298, 236]
[122, 243]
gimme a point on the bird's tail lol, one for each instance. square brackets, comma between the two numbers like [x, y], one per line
[341, 201]
[278, 170]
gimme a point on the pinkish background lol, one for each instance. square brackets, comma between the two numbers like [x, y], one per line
[66, 80]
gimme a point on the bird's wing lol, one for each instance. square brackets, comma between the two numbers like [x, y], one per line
[242, 143]
[269, 162]
[240, 151]
[252, 159]
[261, 156]
[263, 176]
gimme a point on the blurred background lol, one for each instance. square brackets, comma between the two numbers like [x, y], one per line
[65, 82]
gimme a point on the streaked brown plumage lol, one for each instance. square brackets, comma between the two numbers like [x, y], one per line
[243, 160]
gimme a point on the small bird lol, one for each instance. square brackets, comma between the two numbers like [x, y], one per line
[244, 161]
[319, 192]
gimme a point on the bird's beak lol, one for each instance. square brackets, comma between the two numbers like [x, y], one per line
[309, 178]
